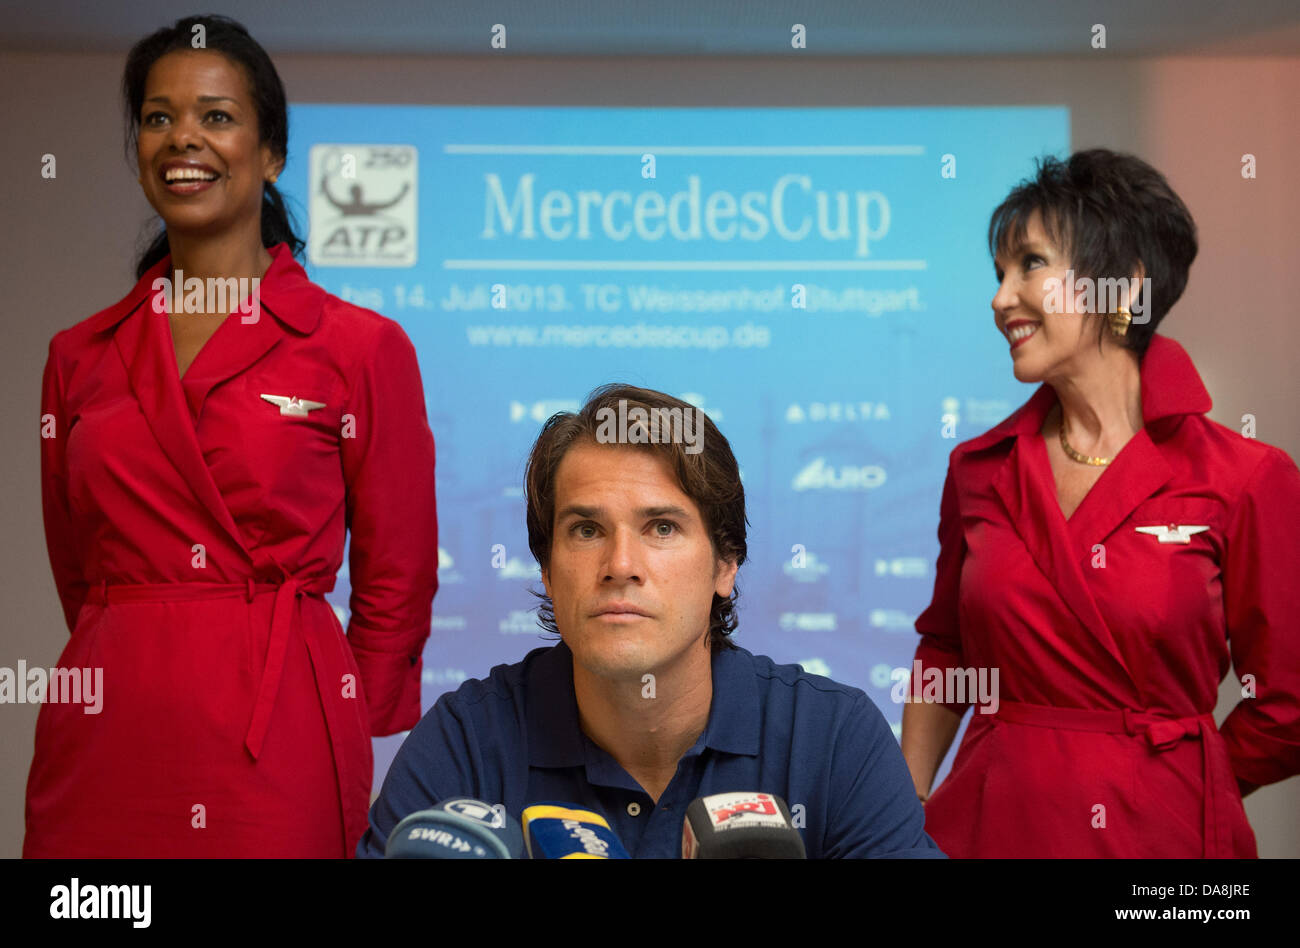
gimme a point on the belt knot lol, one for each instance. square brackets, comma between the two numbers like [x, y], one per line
[1161, 733]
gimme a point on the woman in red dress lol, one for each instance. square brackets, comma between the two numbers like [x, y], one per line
[200, 466]
[1107, 549]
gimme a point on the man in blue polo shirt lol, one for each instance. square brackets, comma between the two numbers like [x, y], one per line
[636, 515]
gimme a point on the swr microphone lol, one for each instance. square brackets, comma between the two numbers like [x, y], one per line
[565, 831]
[740, 826]
[456, 829]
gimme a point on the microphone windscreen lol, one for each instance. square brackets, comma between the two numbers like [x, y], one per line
[741, 825]
[459, 828]
[563, 831]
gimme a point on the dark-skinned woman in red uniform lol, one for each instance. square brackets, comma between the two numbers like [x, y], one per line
[200, 467]
[1109, 550]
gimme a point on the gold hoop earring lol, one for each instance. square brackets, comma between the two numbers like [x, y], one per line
[1119, 321]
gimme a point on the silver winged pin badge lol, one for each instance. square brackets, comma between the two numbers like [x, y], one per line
[1174, 533]
[292, 405]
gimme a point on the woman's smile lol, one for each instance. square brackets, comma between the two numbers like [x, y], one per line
[187, 177]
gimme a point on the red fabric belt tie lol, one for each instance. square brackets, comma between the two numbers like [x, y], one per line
[283, 612]
[1160, 732]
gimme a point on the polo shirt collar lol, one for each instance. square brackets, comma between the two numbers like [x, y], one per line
[555, 738]
[734, 713]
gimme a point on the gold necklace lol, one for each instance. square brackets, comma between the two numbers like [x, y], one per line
[1075, 455]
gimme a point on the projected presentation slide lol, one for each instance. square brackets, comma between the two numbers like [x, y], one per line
[817, 280]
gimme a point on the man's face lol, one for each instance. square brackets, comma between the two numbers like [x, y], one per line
[632, 572]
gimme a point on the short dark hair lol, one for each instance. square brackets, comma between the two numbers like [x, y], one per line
[710, 477]
[230, 38]
[1107, 212]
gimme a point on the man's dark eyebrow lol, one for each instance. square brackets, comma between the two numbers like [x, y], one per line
[670, 510]
[578, 510]
[594, 513]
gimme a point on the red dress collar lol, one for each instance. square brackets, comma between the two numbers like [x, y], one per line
[1170, 386]
[285, 292]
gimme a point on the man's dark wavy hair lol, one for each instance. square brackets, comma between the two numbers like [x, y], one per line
[711, 478]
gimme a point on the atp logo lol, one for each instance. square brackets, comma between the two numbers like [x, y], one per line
[363, 206]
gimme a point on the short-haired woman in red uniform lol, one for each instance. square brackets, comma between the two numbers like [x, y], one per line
[200, 467]
[1108, 549]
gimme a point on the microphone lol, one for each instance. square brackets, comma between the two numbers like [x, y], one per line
[744, 825]
[459, 828]
[564, 831]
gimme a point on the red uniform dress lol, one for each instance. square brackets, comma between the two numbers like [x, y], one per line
[193, 527]
[1104, 743]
